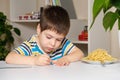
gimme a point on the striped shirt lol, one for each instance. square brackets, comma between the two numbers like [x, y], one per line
[31, 48]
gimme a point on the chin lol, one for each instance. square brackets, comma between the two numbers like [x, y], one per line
[49, 51]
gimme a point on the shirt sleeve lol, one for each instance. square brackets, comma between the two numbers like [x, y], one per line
[24, 49]
[67, 47]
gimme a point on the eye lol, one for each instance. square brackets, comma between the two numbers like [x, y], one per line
[48, 37]
[59, 40]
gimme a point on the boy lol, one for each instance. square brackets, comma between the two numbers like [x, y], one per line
[50, 44]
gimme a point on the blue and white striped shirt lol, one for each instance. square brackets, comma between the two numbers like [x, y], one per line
[31, 48]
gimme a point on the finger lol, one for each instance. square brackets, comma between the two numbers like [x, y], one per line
[46, 62]
[58, 63]
[46, 55]
[66, 64]
[54, 61]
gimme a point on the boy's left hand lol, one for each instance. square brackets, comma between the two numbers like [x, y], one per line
[61, 62]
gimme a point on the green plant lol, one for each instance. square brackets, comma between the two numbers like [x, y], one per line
[110, 16]
[6, 37]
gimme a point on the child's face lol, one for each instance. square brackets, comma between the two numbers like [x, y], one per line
[50, 40]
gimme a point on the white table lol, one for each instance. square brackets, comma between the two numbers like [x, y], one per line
[75, 71]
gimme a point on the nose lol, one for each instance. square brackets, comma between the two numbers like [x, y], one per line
[53, 42]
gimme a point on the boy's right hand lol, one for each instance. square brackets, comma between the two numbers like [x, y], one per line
[43, 59]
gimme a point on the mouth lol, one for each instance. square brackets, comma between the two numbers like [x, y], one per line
[50, 49]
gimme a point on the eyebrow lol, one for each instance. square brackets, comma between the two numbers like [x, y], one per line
[53, 36]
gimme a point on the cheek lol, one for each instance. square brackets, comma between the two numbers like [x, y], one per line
[58, 44]
[43, 40]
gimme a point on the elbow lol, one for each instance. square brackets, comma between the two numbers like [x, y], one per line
[82, 55]
[7, 59]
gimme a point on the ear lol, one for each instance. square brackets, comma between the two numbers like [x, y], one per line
[38, 29]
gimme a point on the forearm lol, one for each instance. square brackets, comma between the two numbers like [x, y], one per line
[75, 55]
[72, 57]
[14, 58]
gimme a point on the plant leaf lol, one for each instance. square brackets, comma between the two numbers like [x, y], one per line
[116, 3]
[17, 31]
[8, 32]
[107, 5]
[97, 7]
[109, 20]
[8, 26]
[11, 39]
[2, 17]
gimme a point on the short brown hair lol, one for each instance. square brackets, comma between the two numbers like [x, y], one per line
[55, 18]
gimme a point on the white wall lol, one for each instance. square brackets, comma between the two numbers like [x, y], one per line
[113, 45]
[81, 14]
[115, 48]
[27, 29]
[4, 7]
[81, 8]
[98, 38]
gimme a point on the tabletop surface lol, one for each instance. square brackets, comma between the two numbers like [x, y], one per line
[75, 71]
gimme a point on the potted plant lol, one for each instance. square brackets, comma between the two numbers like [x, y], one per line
[6, 37]
[110, 15]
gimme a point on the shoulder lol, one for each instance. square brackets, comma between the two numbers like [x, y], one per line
[32, 38]
[66, 42]
[67, 45]
[28, 44]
